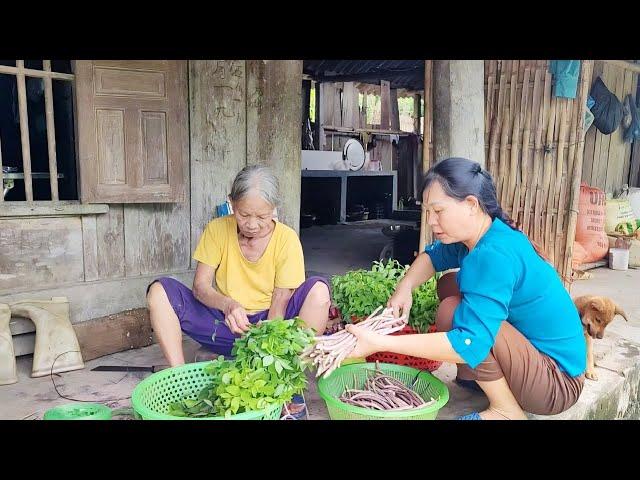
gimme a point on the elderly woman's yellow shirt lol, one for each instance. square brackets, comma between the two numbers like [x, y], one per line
[251, 283]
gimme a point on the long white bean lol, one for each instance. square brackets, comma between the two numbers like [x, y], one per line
[329, 351]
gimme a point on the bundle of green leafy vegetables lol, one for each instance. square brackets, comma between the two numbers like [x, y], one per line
[266, 369]
[359, 292]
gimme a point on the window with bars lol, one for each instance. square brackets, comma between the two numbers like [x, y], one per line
[37, 141]
[128, 120]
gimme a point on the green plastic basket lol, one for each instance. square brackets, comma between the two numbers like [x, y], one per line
[152, 396]
[354, 376]
[79, 411]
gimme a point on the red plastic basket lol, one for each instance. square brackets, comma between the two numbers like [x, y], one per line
[409, 361]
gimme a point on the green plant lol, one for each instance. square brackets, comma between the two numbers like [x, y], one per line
[360, 292]
[267, 369]
[424, 307]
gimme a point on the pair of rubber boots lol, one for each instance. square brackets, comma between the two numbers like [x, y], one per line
[56, 342]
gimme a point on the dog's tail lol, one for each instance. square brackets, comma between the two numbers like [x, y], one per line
[620, 312]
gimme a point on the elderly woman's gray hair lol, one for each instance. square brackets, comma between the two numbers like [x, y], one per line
[258, 178]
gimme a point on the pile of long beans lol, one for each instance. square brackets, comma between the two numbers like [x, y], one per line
[382, 392]
[329, 351]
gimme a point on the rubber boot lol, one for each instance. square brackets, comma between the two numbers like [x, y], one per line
[8, 373]
[56, 342]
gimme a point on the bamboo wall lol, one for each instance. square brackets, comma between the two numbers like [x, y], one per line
[534, 144]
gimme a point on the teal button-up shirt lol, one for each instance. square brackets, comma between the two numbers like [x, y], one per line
[503, 278]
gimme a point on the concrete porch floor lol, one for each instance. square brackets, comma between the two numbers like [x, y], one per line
[614, 395]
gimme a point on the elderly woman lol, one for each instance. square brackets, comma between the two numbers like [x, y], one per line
[505, 317]
[258, 267]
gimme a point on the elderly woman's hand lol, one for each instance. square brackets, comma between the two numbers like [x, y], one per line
[235, 316]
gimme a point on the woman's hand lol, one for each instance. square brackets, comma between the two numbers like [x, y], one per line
[235, 317]
[401, 301]
[368, 342]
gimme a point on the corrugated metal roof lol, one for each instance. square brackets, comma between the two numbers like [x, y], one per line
[408, 74]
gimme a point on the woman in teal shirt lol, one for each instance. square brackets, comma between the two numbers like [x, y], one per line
[504, 318]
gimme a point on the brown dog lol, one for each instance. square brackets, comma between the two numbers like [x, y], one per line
[596, 312]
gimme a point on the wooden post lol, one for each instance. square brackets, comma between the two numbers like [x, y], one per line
[320, 115]
[385, 105]
[425, 233]
[51, 131]
[416, 113]
[24, 130]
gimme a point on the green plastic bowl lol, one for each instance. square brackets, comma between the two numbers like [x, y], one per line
[152, 396]
[354, 376]
[79, 411]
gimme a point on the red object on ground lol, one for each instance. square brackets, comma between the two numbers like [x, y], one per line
[409, 361]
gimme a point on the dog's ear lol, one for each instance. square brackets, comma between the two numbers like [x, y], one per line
[620, 312]
[597, 304]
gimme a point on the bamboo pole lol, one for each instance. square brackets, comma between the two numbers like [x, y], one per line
[514, 144]
[522, 172]
[497, 115]
[24, 130]
[504, 138]
[51, 131]
[493, 148]
[428, 112]
[513, 168]
[501, 93]
[573, 138]
[513, 89]
[564, 187]
[425, 232]
[560, 176]
[535, 114]
[547, 160]
[544, 118]
[634, 67]
[585, 82]
[488, 109]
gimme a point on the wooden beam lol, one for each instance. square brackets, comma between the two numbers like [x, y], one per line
[35, 73]
[114, 333]
[51, 131]
[51, 209]
[24, 130]
[373, 76]
[377, 131]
